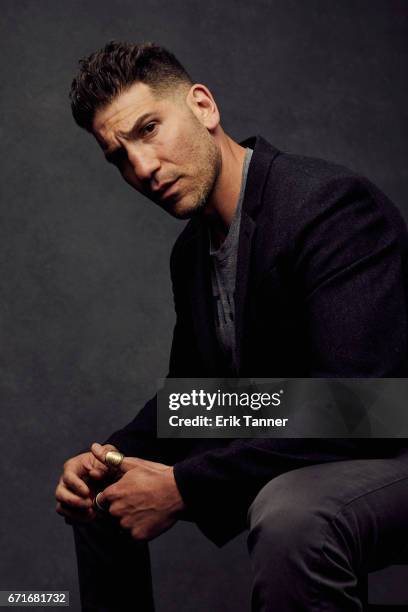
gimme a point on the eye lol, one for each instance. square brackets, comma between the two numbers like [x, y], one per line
[149, 128]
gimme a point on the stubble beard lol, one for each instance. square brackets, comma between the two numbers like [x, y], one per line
[209, 167]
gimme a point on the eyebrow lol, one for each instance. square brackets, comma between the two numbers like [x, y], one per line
[110, 155]
[136, 125]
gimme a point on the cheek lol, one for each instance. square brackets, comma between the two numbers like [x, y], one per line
[181, 146]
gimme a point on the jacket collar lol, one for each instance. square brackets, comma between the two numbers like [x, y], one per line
[262, 158]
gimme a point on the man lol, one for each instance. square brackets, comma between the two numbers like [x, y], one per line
[289, 267]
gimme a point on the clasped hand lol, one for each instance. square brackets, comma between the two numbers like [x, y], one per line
[144, 497]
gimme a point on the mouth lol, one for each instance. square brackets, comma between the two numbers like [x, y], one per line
[168, 190]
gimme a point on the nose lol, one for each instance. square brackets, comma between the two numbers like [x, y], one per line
[144, 163]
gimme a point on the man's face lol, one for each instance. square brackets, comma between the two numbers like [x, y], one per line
[161, 147]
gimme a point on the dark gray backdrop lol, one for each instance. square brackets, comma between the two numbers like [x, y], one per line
[85, 303]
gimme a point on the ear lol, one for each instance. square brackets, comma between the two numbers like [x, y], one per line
[200, 101]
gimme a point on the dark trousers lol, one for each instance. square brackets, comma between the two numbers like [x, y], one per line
[114, 570]
[314, 533]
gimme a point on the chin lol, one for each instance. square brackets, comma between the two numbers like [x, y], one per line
[183, 210]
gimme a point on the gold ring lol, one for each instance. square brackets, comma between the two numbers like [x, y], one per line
[113, 459]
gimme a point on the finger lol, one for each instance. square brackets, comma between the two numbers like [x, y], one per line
[74, 513]
[63, 495]
[75, 484]
[91, 463]
[100, 451]
[98, 474]
[106, 496]
[70, 514]
[99, 504]
[130, 463]
[81, 466]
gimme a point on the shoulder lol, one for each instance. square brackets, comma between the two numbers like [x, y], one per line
[302, 179]
[318, 217]
[303, 191]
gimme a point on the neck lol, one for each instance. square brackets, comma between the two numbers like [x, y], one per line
[222, 204]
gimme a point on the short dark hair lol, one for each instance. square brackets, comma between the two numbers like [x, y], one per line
[107, 72]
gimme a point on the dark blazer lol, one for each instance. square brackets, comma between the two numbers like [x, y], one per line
[322, 291]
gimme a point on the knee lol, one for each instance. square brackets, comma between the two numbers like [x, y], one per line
[289, 518]
[279, 523]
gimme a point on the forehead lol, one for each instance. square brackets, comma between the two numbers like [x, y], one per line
[125, 109]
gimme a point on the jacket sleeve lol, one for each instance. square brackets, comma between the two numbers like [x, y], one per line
[139, 437]
[348, 257]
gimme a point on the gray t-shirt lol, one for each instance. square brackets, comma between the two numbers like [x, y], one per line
[223, 278]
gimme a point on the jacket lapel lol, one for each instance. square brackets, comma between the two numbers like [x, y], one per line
[259, 168]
